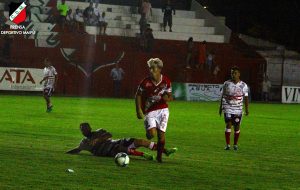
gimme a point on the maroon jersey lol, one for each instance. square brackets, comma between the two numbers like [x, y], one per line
[152, 94]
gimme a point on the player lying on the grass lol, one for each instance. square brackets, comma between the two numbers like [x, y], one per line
[50, 78]
[100, 143]
[234, 92]
[151, 100]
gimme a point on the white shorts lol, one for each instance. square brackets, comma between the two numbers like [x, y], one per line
[157, 119]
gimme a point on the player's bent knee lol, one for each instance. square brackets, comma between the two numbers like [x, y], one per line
[149, 136]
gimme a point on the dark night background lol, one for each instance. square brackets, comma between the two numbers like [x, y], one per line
[276, 21]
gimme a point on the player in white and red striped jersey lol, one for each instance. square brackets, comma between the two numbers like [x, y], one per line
[50, 81]
[151, 100]
[234, 93]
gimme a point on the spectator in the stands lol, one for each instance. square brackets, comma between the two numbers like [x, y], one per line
[202, 55]
[88, 14]
[70, 20]
[190, 53]
[149, 39]
[94, 19]
[63, 9]
[117, 75]
[216, 71]
[146, 9]
[102, 23]
[97, 11]
[143, 24]
[28, 11]
[168, 9]
[210, 61]
[77, 19]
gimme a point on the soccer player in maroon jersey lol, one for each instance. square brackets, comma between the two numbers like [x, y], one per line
[100, 143]
[151, 100]
[234, 93]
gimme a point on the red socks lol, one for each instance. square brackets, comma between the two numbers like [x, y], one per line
[135, 152]
[227, 136]
[236, 137]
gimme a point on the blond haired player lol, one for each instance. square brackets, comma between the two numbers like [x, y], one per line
[151, 99]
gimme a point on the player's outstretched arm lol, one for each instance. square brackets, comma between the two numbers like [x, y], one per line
[220, 108]
[138, 103]
[247, 105]
[56, 79]
[74, 151]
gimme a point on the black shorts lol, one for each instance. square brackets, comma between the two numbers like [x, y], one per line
[167, 20]
[112, 147]
[48, 92]
[235, 119]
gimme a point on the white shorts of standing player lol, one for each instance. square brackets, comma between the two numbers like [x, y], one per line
[157, 119]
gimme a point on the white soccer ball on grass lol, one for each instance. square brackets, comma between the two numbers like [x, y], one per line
[122, 159]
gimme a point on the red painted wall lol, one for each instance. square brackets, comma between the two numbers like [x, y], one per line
[89, 54]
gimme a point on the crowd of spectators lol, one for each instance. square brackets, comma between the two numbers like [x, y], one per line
[75, 20]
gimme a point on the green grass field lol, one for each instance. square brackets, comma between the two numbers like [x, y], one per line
[33, 145]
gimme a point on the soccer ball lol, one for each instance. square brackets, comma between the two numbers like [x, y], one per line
[122, 159]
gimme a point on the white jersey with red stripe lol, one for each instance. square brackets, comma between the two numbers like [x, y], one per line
[49, 73]
[233, 96]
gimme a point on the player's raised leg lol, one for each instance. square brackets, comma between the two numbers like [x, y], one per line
[153, 146]
[135, 152]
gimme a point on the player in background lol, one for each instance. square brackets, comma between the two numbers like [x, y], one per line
[233, 95]
[151, 100]
[100, 143]
[50, 81]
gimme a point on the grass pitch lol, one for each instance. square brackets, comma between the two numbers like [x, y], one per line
[33, 145]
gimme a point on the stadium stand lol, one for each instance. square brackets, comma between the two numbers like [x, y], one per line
[71, 50]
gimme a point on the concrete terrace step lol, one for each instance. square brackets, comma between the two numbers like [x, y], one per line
[158, 34]
[179, 21]
[127, 9]
[179, 28]
[38, 26]
[159, 27]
